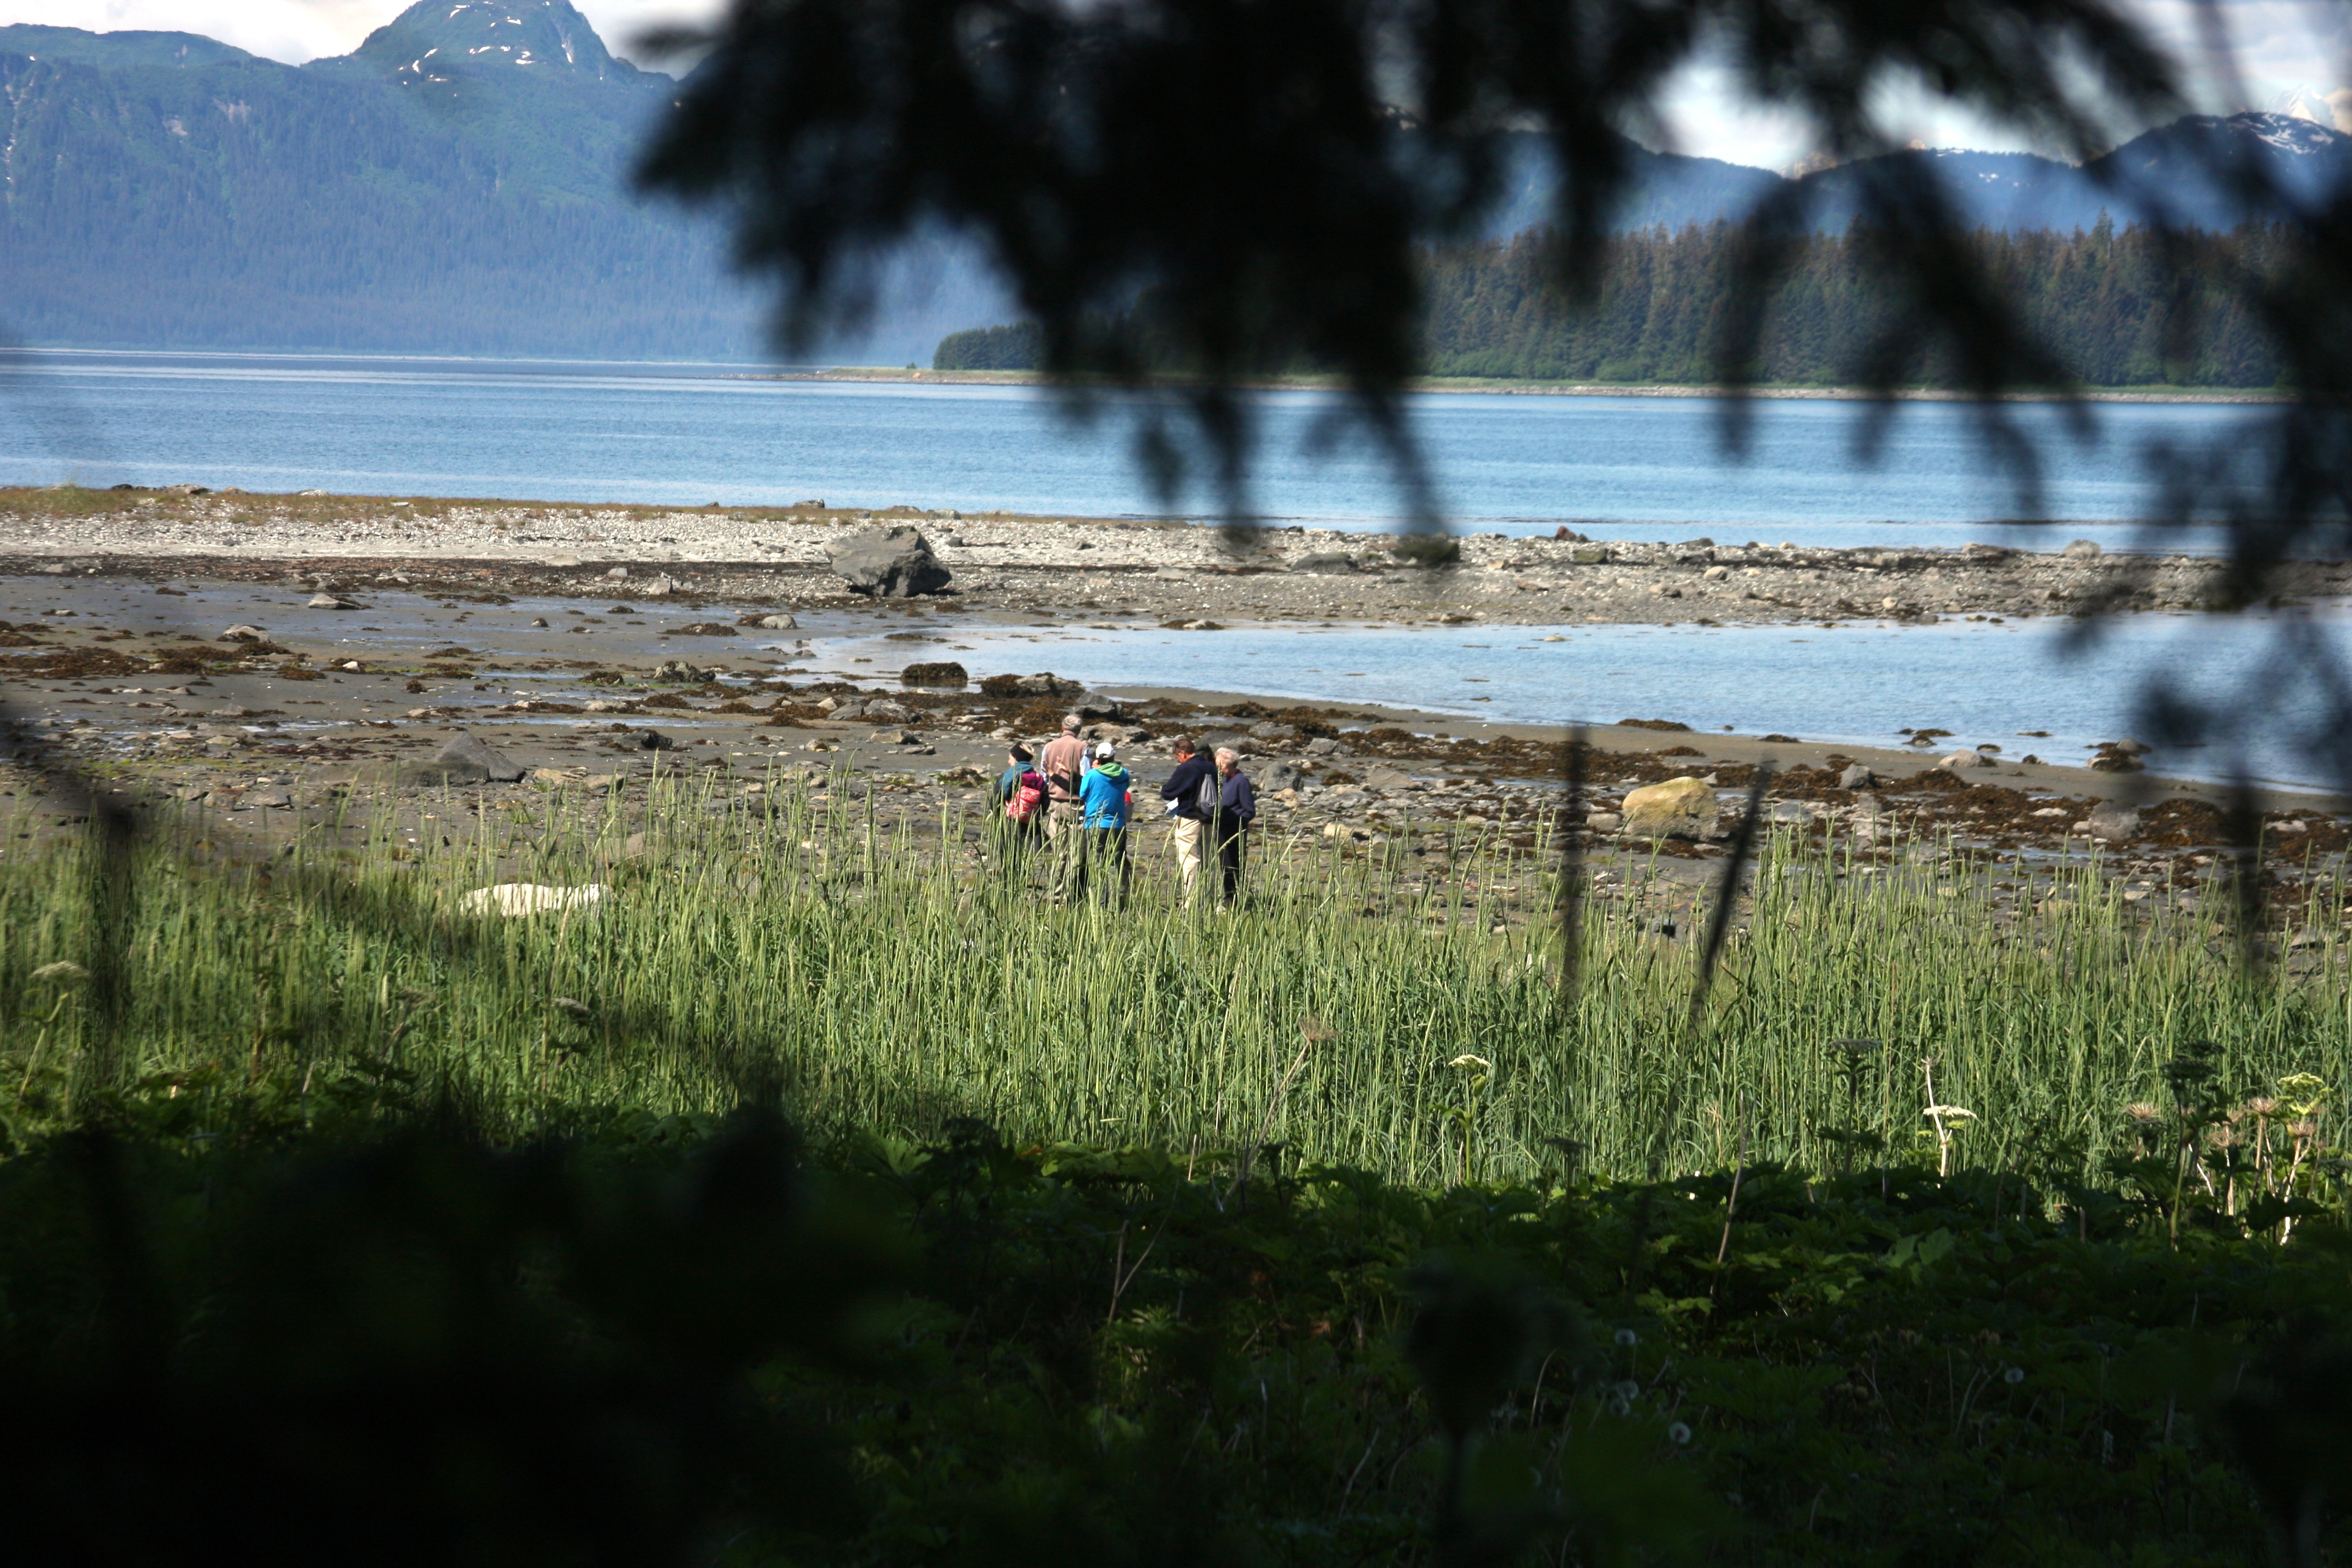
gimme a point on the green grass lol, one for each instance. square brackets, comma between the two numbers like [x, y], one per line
[890, 987]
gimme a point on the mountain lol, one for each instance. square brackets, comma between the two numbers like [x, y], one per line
[1663, 190]
[2177, 174]
[129, 48]
[456, 185]
[459, 184]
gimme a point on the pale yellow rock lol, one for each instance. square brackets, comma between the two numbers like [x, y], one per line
[1678, 809]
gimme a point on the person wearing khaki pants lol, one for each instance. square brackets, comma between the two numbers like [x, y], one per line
[1064, 762]
[1192, 795]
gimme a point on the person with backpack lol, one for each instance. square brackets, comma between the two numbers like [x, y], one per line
[1107, 795]
[1022, 792]
[1194, 796]
[1063, 763]
[1236, 809]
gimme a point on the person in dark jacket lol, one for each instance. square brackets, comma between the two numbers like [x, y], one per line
[1193, 796]
[1236, 809]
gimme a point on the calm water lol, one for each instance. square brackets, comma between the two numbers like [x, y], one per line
[1857, 684]
[1621, 467]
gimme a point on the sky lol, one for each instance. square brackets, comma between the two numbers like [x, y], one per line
[2292, 56]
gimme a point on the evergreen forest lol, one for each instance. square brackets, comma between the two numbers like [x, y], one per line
[2113, 307]
[2116, 308]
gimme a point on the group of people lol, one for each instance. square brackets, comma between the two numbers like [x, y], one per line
[1080, 801]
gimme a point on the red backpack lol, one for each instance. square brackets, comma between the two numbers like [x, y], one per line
[1028, 796]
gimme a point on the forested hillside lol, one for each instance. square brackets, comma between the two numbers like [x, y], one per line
[459, 185]
[167, 192]
[2108, 304]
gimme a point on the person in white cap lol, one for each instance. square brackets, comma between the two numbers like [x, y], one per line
[1106, 795]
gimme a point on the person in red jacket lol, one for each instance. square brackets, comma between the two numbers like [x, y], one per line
[1022, 792]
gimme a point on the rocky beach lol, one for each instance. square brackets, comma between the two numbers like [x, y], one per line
[273, 662]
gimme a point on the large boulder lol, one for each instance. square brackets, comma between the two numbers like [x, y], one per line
[466, 759]
[2114, 821]
[1679, 808]
[888, 562]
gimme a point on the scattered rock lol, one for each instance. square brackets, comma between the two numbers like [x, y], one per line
[1279, 776]
[1388, 778]
[1857, 777]
[1324, 560]
[617, 571]
[2083, 549]
[647, 741]
[1322, 746]
[678, 669]
[244, 633]
[1095, 705]
[945, 672]
[1679, 808]
[888, 562]
[706, 629]
[511, 899]
[332, 602]
[1603, 821]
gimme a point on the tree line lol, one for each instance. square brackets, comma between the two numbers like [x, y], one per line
[2112, 307]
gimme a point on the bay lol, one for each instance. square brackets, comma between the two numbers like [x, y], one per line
[689, 435]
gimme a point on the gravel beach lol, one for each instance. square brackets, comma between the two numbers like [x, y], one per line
[1163, 572]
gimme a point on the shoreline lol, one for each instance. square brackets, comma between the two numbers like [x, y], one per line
[1465, 385]
[310, 717]
[1139, 571]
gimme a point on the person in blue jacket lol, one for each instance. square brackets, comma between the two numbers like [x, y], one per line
[1190, 792]
[1107, 800]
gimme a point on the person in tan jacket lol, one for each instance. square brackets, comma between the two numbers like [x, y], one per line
[1065, 762]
